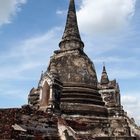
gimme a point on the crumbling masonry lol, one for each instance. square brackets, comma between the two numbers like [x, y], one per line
[69, 102]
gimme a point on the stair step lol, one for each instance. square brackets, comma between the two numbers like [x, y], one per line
[81, 90]
[83, 100]
[80, 95]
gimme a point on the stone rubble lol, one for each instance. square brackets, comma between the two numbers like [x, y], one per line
[69, 102]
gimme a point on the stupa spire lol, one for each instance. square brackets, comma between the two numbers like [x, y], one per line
[104, 77]
[71, 37]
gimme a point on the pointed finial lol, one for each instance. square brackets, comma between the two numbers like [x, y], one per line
[104, 68]
[71, 38]
[104, 77]
[41, 74]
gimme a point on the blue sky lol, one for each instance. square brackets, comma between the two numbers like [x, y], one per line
[31, 30]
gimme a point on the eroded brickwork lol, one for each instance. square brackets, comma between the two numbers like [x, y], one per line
[8, 117]
[69, 102]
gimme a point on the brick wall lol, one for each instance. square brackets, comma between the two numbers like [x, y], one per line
[7, 119]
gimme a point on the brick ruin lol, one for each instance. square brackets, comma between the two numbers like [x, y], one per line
[69, 102]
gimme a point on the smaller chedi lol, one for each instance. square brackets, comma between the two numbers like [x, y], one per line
[69, 103]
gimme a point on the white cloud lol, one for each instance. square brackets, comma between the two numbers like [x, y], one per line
[22, 63]
[129, 99]
[61, 12]
[123, 73]
[118, 67]
[104, 15]
[13, 97]
[8, 9]
[17, 93]
[138, 118]
[131, 104]
[30, 55]
[111, 59]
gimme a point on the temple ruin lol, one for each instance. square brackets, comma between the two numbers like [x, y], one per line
[69, 103]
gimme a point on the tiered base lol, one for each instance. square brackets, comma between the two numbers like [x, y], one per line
[83, 100]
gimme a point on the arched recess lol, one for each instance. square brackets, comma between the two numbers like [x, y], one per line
[45, 94]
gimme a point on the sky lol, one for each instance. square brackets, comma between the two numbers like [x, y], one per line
[30, 30]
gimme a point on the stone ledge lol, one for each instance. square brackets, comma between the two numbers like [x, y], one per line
[81, 95]
[83, 100]
[115, 138]
[82, 85]
[83, 109]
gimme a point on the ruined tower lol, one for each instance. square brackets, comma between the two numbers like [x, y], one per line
[69, 102]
